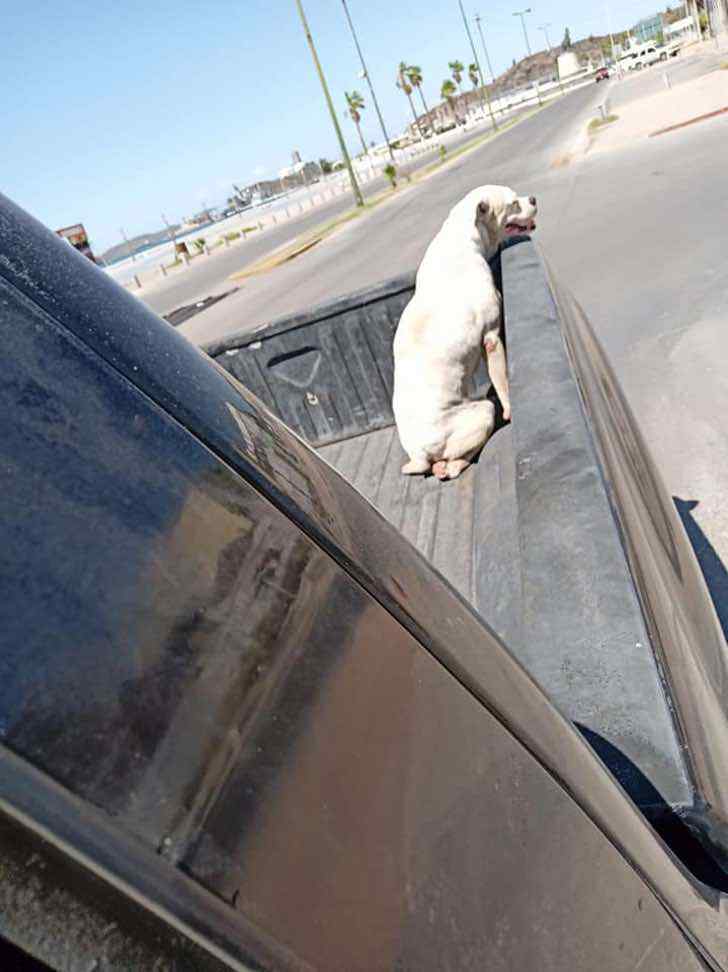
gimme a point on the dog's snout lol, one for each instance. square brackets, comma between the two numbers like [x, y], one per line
[532, 200]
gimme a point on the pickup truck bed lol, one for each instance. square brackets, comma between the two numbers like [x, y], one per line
[531, 536]
[329, 374]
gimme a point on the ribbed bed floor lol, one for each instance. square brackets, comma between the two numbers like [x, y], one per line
[465, 528]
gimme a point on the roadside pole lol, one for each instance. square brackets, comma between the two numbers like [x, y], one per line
[358, 198]
[365, 72]
[487, 59]
[172, 236]
[484, 89]
[611, 38]
[128, 246]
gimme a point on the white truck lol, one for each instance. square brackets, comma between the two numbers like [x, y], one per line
[640, 57]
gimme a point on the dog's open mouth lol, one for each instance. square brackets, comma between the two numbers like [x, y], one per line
[516, 227]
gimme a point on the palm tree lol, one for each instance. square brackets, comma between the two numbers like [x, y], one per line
[404, 85]
[414, 76]
[457, 69]
[448, 92]
[473, 75]
[355, 106]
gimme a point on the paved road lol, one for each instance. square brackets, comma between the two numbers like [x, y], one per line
[391, 239]
[207, 277]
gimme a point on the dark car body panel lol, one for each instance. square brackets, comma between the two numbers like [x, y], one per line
[235, 697]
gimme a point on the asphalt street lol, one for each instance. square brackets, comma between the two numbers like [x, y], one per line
[209, 276]
[392, 238]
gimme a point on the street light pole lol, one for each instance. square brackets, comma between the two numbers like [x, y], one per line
[545, 29]
[487, 60]
[522, 15]
[171, 233]
[477, 64]
[129, 252]
[358, 198]
[611, 39]
[485, 49]
[368, 80]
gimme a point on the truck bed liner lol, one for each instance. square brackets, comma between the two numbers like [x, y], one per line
[465, 528]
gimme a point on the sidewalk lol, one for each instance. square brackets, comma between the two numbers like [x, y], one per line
[654, 115]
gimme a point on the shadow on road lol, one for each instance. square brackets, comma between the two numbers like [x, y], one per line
[713, 568]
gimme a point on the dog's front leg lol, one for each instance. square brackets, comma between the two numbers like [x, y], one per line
[495, 358]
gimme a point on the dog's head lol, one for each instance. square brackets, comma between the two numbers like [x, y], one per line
[498, 213]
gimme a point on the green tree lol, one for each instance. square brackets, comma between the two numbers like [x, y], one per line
[414, 75]
[457, 69]
[473, 75]
[355, 106]
[566, 42]
[391, 173]
[448, 92]
[404, 85]
[326, 166]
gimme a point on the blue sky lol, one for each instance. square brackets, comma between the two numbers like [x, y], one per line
[116, 112]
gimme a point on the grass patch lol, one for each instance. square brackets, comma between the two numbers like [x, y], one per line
[597, 123]
[232, 236]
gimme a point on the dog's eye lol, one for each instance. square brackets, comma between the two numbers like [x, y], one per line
[515, 207]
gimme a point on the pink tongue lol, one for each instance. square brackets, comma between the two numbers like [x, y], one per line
[513, 230]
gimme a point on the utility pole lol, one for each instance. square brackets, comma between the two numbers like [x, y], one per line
[128, 246]
[522, 15]
[545, 29]
[477, 64]
[358, 198]
[365, 75]
[171, 232]
[611, 38]
[487, 58]
[485, 49]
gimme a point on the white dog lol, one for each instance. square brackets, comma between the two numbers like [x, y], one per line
[453, 318]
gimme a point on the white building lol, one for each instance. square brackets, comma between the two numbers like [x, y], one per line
[301, 173]
[684, 29]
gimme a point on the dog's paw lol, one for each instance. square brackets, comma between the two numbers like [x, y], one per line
[456, 468]
[414, 468]
[507, 413]
[440, 470]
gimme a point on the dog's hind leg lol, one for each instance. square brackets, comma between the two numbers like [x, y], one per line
[473, 425]
[495, 358]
